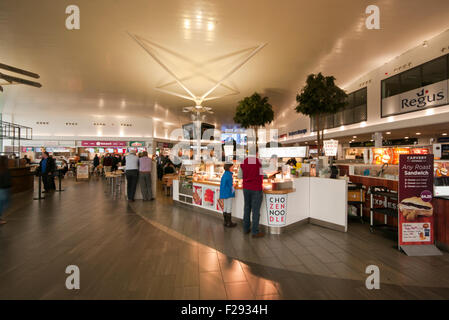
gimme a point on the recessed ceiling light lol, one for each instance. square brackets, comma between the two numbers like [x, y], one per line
[444, 134]
[210, 26]
[418, 133]
[355, 137]
[406, 138]
[388, 132]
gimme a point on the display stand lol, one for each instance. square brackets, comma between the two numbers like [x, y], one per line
[39, 189]
[385, 210]
[60, 181]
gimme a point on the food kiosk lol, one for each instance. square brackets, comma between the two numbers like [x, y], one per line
[288, 200]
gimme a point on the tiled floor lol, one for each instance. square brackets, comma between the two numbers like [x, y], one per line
[156, 250]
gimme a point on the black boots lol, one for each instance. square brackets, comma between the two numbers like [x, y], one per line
[228, 220]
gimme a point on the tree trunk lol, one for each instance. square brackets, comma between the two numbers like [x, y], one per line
[318, 129]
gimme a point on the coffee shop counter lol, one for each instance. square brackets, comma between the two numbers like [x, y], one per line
[310, 200]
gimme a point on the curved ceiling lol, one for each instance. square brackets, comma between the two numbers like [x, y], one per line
[99, 69]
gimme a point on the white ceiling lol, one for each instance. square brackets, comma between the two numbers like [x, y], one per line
[100, 70]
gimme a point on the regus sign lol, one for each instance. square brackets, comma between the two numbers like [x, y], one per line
[416, 100]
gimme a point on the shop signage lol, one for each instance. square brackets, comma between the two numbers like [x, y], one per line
[298, 132]
[400, 142]
[330, 148]
[137, 143]
[415, 100]
[443, 140]
[416, 216]
[286, 152]
[276, 209]
[103, 143]
[362, 144]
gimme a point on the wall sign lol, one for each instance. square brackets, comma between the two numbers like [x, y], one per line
[286, 152]
[415, 100]
[137, 143]
[276, 209]
[330, 148]
[294, 133]
[103, 143]
[416, 222]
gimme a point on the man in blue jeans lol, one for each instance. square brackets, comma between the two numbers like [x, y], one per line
[252, 175]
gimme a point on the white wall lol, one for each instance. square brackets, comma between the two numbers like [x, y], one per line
[57, 128]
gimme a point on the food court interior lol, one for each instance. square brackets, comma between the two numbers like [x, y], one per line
[354, 166]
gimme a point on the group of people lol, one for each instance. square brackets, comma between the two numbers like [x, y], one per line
[164, 166]
[138, 170]
[252, 175]
[108, 162]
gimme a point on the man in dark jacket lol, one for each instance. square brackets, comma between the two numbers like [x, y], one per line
[45, 170]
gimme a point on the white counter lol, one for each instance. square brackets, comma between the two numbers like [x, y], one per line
[315, 200]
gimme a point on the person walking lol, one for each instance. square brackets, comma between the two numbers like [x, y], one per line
[227, 193]
[145, 164]
[132, 174]
[5, 186]
[252, 175]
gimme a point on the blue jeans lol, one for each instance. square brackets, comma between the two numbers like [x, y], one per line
[253, 201]
[4, 200]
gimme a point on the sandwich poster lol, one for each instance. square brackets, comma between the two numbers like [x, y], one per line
[416, 222]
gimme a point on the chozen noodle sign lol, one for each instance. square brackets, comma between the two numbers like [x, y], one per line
[276, 209]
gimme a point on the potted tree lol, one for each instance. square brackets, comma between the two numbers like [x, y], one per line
[319, 98]
[254, 112]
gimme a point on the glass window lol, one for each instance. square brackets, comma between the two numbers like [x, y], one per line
[434, 71]
[338, 119]
[348, 116]
[391, 87]
[411, 79]
[360, 97]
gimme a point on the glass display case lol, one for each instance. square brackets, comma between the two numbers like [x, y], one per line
[441, 178]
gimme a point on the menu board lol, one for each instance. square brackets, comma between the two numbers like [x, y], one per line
[82, 171]
[276, 209]
[416, 222]
[330, 148]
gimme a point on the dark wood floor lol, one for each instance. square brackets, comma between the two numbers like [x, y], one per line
[155, 250]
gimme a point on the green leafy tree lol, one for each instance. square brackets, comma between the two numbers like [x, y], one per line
[254, 112]
[319, 98]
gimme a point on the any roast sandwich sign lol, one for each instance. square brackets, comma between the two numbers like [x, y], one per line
[415, 100]
[416, 215]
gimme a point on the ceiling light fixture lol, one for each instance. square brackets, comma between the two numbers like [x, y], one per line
[444, 134]
[388, 132]
[405, 137]
[210, 26]
[418, 133]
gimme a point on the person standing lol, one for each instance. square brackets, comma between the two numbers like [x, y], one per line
[227, 193]
[251, 172]
[132, 174]
[96, 163]
[5, 186]
[44, 171]
[145, 165]
[51, 175]
[107, 163]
